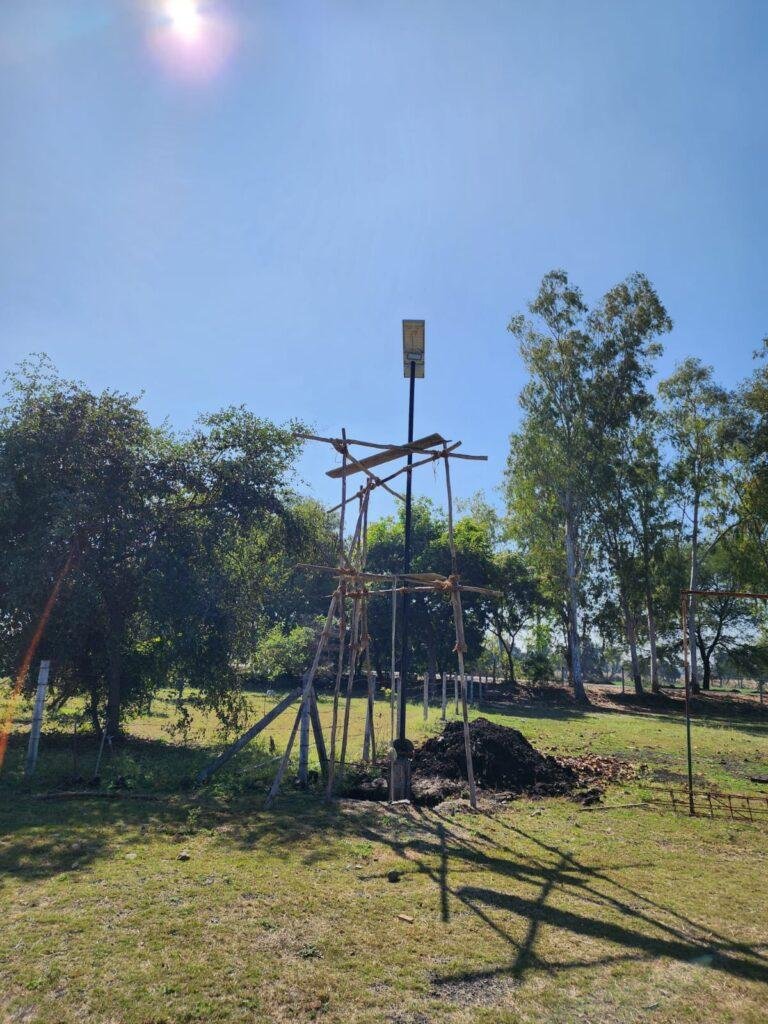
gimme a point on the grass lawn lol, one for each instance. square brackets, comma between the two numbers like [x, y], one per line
[541, 911]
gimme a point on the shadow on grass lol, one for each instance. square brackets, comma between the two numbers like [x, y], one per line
[518, 896]
[641, 926]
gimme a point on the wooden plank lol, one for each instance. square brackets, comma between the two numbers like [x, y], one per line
[230, 752]
[386, 456]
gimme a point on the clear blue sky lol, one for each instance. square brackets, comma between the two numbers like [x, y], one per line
[241, 205]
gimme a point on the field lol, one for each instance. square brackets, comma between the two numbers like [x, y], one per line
[163, 904]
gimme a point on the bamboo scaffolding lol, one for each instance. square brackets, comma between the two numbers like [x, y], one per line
[305, 696]
[449, 452]
[356, 585]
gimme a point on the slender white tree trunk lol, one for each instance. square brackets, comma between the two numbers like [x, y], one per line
[650, 616]
[573, 605]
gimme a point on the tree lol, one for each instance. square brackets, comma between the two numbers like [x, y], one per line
[546, 476]
[586, 392]
[150, 518]
[432, 633]
[748, 483]
[694, 418]
[520, 600]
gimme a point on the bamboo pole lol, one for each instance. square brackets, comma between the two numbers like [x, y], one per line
[277, 781]
[37, 718]
[317, 732]
[354, 650]
[460, 641]
[422, 462]
[336, 599]
[372, 478]
[336, 690]
[369, 743]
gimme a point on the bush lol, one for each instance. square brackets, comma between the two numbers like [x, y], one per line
[280, 653]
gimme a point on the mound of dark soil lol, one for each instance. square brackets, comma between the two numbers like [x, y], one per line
[502, 758]
[503, 761]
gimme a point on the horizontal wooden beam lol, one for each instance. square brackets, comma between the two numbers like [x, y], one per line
[386, 456]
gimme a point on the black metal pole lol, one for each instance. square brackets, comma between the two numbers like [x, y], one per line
[406, 568]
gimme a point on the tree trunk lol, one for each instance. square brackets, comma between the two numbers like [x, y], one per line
[629, 626]
[706, 662]
[692, 600]
[573, 607]
[510, 663]
[650, 615]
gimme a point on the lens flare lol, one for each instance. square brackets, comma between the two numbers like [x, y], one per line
[29, 654]
[191, 39]
[185, 18]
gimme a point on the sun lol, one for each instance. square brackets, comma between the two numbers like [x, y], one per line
[185, 18]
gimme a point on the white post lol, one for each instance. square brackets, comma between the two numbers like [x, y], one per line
[426, 696]
[479, 689]
[444, 699]
[471, 689]
[456, 686]
[304, 742]
[37, 717]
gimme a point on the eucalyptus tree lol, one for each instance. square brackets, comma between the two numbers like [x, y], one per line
[694, 418]
[519, 602]
[726, 625]
[626, 324]
[749, 481]
[548, 473]
[586, 393]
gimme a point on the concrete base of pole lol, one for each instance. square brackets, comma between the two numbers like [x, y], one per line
[400, 778]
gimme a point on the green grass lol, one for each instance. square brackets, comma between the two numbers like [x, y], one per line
[541, 911]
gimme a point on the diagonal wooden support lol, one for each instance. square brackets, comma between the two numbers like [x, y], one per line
[336, 600]
[247, 736]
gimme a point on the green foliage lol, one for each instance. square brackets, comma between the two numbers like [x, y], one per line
[282, 653]
[154, 523]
